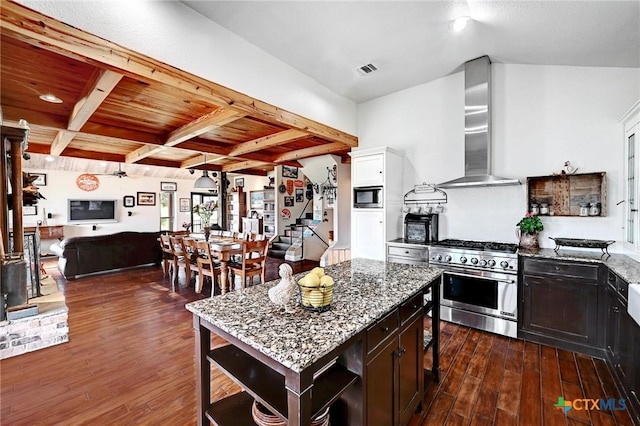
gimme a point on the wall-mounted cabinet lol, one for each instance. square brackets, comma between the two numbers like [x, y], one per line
[569, 195]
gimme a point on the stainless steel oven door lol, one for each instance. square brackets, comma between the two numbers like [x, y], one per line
[489, 293]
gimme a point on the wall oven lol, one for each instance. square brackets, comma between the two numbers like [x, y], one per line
[479, 287]
[367, 197]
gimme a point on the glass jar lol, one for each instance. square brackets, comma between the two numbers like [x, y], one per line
[544, 209]
[594, 209]
[534, 209]
[584, 209]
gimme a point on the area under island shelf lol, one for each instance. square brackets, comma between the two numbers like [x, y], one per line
[299, 363]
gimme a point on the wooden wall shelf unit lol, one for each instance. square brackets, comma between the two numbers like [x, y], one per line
[565, 193]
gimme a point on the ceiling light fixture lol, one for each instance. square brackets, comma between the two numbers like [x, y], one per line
[459, 23]
[204, 181]
[50, 97]
[49, 158]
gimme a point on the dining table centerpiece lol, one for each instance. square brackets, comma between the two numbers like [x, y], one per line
[528, 230]
[205, 211]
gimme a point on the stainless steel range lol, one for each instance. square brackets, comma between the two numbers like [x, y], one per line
[479, 286]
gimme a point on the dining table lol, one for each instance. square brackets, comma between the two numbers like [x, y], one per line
[224, 248]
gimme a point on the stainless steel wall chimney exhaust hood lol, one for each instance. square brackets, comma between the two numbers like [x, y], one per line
[477, 129]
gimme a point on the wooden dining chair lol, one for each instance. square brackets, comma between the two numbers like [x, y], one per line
[253, 262]
[167, 253]
[207, 266]
[180, 258]
[191, 253]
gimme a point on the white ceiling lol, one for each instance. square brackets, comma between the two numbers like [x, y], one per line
[411, 41]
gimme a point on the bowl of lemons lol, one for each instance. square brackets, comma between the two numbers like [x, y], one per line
[316, 290]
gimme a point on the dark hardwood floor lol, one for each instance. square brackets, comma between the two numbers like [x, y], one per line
[130, 361]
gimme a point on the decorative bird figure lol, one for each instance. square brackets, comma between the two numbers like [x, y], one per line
[282, 293]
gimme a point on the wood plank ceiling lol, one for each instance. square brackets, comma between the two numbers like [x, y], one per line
[124, 107]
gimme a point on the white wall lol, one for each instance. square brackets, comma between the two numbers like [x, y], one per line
[542, 116]
[175, 34]
[61, 186]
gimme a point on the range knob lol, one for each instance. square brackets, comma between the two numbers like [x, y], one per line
[492, 263]
[447, 258]
[483, 262]
[474, 260]
[439, 258]
[463, 259]
[504, 264]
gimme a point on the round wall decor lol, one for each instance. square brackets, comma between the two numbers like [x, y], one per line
[87, 182]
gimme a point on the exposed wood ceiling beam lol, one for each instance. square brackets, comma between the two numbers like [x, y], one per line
[200, 160]
[241, 165]
[313, 151]
[50, 34]
[267, 141]
[99, 86]
[101, 83]
[197, 127]
[204, 124]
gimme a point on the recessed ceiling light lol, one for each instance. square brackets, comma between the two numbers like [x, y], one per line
[103, 163]
[459, 23]
[50, 97]
[49, 158]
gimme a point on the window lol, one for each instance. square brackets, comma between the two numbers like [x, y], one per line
[196, 223]
[167, 210]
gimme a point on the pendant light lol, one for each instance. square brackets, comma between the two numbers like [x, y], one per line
[204, 181]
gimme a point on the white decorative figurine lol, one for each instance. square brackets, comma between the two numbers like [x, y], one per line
[282, 293]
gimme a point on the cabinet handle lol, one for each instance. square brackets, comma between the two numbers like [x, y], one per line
[401, 351]
[414, 306]
[406, 252]
[557, 268]
[616, 309]
[385, 329]
[526, 284]
[380, 172]
[621, 289]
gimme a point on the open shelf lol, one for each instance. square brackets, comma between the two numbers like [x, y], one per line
[234, 410]
[267, 385]
[565, 193]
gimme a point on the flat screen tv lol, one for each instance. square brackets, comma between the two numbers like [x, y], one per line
[92, 211]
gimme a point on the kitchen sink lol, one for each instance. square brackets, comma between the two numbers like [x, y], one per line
[633, 306]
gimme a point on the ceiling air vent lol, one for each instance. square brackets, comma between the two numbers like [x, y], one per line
[367, 69]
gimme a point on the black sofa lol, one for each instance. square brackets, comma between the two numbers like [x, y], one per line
[102, 253]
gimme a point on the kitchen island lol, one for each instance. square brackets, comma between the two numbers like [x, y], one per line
[297, 364]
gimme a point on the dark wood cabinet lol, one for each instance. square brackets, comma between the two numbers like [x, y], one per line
[410, 371]
[623, 343]
[559, 304]
[395, 373]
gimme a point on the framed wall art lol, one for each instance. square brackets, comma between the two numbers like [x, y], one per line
[288, 201]
[168, 186]
[185, 205]
[41, 180]
[289, 172]
[239, 182]
[129, 201]
[29, 210]
[299, 195]
[146, 198]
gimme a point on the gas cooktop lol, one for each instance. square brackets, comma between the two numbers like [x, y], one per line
[477, 245]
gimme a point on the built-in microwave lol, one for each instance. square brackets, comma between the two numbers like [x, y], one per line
[367, 197]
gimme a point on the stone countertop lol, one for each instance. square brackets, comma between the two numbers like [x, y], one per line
[365, 290]
[627, 268]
